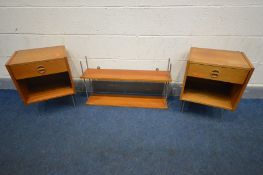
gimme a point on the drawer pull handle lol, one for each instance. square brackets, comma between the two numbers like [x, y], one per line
[215, 72]
[41, 69]
[214, 75]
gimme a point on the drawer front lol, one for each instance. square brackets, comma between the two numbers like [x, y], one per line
[231, 75]
[35, 69]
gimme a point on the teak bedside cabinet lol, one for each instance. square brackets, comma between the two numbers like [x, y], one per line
[41, 74]
[216, 78]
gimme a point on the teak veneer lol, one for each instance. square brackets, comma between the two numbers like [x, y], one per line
[41, 74]
[127, 75]
[216, 78]
[128, 101]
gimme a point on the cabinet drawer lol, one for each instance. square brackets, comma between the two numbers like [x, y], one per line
[40, 68]
[231, 75]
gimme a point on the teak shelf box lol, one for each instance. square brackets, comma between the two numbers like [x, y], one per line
[41, 74]
[118, 75]
[216, 78]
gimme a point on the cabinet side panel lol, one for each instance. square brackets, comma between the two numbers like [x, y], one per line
[237, 99]
[241, 91]
[20, 88]
[70, 75]
[185, 74]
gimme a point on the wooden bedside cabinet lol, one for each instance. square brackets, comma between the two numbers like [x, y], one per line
[216, 78]
[41, 74]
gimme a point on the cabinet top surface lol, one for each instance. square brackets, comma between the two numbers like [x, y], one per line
[38, 54]
[219, 57]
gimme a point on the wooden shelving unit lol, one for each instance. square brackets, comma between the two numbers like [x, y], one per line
[41, 74]
[216, 78]
[146, 76]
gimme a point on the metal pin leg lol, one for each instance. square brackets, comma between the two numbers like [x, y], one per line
[73, 100]
[168, 64]
[87, 65]
[182, 106]
[167, 90]
[168, 83]
[86, 89]
[82, 87]
[91, 86]
[164, 90]
[84, 81]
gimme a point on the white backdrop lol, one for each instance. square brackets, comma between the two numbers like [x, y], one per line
[133, 34]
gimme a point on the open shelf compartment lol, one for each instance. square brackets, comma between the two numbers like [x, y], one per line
[46, 87]
[215, 93]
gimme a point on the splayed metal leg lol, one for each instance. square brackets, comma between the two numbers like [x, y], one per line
[84, 80]
[182, 106]
[73, 100]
